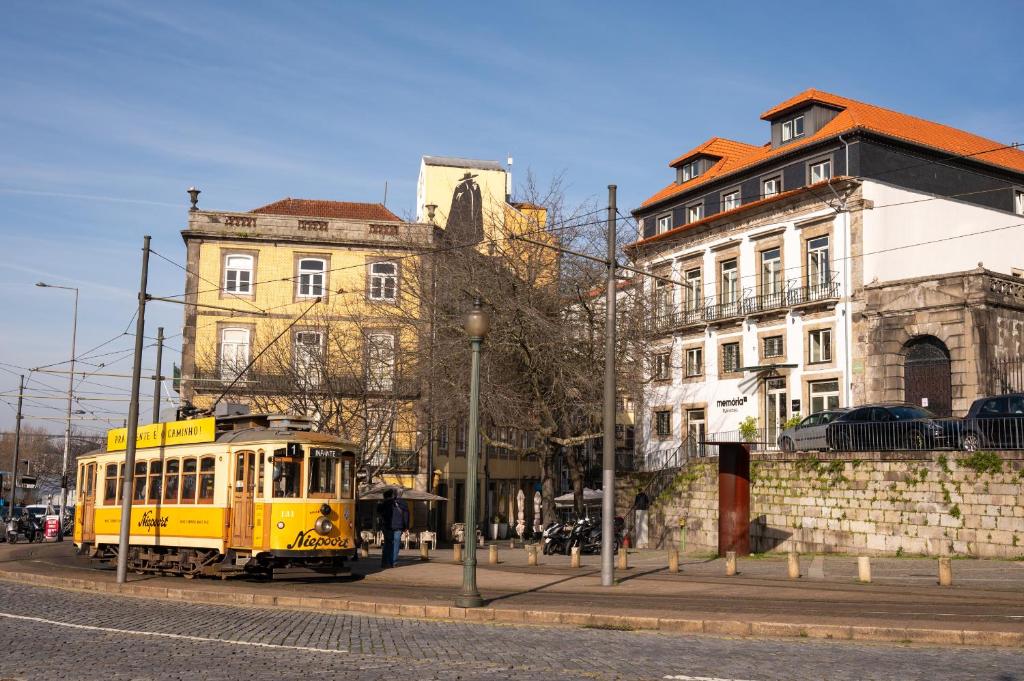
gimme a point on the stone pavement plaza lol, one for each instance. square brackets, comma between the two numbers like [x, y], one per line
[985, 605]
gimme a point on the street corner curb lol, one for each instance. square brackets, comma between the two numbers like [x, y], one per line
[727, 628]
[1003, 639]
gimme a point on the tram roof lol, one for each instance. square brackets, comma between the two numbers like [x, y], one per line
[258, 434]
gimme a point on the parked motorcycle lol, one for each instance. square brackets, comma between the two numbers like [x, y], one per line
[586, 534]
[26, 526]
[555, 538]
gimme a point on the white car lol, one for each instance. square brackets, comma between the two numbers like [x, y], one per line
[809, 434]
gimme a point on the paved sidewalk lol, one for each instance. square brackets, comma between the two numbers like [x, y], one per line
[985, 605]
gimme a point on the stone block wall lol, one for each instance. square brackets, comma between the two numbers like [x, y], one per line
[929, 503]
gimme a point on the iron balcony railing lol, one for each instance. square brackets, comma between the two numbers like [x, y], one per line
[966, 434]
[793, 293]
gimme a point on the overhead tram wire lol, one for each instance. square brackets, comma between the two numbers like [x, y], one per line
[188, 271]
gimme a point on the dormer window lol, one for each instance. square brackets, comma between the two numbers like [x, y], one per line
[664, 223]
[793, 128]
[689, 171]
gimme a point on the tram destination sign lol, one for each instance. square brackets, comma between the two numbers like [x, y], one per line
[325, 453]
[185, 432]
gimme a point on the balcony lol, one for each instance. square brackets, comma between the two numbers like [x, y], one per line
[795, 293]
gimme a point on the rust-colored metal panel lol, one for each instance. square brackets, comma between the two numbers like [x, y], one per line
[733, 498]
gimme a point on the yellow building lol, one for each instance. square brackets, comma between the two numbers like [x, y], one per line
[293, 308]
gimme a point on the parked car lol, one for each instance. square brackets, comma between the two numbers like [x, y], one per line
[809, 434]
[996, 422]
[888, 427]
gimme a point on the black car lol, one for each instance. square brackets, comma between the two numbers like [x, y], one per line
[887, 427]
[996, 422]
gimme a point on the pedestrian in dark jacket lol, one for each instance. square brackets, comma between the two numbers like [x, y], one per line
[393, 515]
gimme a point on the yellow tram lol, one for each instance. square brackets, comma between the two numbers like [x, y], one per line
[222, 496]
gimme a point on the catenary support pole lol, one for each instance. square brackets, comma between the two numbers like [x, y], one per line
[17, 445]
[67, 428]
[133, 422]
[608, 458]
[157, 383]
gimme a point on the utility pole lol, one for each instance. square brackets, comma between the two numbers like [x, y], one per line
[17, 445]
[608, 460]
[156, 379]
[67, 427]
[133, 422]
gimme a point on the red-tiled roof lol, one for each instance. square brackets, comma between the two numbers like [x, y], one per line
[315, 208]
[718, 147]
[854, 115]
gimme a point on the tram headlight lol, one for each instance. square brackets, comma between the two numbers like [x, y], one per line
[325, 510]
[323, 525]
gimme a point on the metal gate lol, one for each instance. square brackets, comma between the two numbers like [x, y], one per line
[927, 378]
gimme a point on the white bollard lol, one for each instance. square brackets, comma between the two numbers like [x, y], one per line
[794, 565]
[623, 558]
[492, 555]
[730, 563]
[673, 560]
[864, 569]
[574, 557]
[531, 554]
[945, 571]
[458, 553]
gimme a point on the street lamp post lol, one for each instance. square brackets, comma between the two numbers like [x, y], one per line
[476, 327]
[67, 426]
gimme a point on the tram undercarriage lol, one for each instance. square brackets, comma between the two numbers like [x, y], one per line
[193, 562]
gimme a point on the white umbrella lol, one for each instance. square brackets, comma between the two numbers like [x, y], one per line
[591, 497]
[521, 520]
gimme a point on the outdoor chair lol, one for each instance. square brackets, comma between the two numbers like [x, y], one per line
[428, 537]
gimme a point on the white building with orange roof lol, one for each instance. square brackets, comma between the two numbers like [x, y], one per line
[859, 255]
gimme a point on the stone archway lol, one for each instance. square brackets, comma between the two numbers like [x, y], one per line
[927, 375]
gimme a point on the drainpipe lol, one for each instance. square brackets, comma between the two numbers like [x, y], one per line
[847, 289]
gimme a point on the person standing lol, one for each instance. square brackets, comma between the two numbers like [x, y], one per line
[394, 519]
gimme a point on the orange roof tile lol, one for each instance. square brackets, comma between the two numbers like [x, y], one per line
[315, 208]
[854, 116]
[716, 146]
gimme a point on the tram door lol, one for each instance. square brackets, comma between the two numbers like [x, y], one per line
[88, 487]
[242, 501]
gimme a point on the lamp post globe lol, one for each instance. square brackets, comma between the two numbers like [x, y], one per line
[477, 323]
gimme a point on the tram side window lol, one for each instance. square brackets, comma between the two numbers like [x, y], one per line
[206, 472]
[188, 481]
[139, 488]
[323, 477]
[260, 489]
[90, 480]
[287, 477]
[110, 485]
[156, 473]
[346, 478]
[171, 479]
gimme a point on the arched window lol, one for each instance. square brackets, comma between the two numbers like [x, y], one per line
[234, 352]
[312, 272]
[383, 281]
[238, 274]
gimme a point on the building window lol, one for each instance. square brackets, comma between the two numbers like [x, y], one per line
[695, 212]
[731, 200]
[664, 223]
[818, 266]
[307, 354]
[380, 361]
[820, 346]
[821, 171]
[773, 346]
[311, 277]
[729, 288]
[696, 431]
[442, 438]
[693, 293]
[1018, 202]
[662, 300]
[771, 272]
[792, 129]
[234, 352]
[771, 187]
[383, 281]
[694, 362]
[689, 171]
[824, 395]
[730, 357]
[662, 367]
[663, 423]
[238, 274]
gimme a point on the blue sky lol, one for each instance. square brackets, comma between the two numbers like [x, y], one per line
[110, 110]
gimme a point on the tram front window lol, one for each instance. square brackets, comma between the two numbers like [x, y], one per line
[287, 477]
[323, 477]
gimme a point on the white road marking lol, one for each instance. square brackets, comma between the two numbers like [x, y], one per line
[683, 677]
[160, 634]
[943, 614]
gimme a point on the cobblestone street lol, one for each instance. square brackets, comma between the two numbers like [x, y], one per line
[53, 634]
